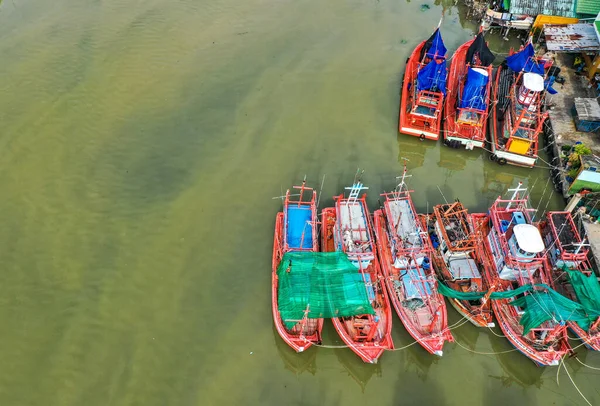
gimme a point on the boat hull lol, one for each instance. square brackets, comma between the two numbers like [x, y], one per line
[368, 351]
[415, 124]
[299, 342]
[540, 358]
[432, 342]
[475, 319]
[499, 92]
[591, 342]
[468, 136]
[508, 320]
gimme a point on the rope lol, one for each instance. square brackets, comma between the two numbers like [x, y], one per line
[586, 365]
[484, 353]
[562, 363]
[496, 334]
[330, 346]
[402, 348]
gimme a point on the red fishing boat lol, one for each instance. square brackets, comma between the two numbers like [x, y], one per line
[517, 117]
[424, 88]
[456, 260]
[516, 259]
[405, 253]
[347, 228]
[569, 250]
[468, 100]
[296, 231]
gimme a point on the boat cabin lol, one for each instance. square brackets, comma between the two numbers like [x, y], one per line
[523, 121]
[352, 233]
[561, 234]
[525, 243]
[517, 246]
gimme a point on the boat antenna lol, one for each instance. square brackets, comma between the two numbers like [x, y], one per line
[446, 200]
[516, 193]
[402, 184]
[320, 191]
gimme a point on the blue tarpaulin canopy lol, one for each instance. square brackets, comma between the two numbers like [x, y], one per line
[517, 61]
[473, 96]
[435, 45]
[433, 76]
[534, 66]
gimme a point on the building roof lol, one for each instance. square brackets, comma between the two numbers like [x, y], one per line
[563, 8]
[571, 38]
[528, 238]
[591, 7]
[587, 109]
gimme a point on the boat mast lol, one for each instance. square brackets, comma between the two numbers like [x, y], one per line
[515, 195]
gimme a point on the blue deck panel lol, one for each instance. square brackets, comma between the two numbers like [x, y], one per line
[299, 222]
[416, 284]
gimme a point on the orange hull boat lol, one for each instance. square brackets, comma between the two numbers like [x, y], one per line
[347, 227]
[421, 104]
[465, 119]
[456, 261]
[295, 230]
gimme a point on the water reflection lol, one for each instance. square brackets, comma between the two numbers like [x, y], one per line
[413, 149]
[518, 369]
[360, 372]
[417, 361]
[293, 361]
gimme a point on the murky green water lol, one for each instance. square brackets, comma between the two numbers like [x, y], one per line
[141, 144]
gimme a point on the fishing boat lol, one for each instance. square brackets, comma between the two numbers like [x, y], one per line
[468, 100]
[424, 89]
[295, 231]
[405, 254]
[455, 259]
[347, 228]
[517, 267]
[572, 274]
[517, 117]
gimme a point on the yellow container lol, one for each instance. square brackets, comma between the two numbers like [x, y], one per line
[518, 146]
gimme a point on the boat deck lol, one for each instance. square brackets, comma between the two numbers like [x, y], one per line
[353, 223]
[403, 219]
[299, 227]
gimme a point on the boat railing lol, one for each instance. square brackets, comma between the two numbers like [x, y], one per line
[300, 201]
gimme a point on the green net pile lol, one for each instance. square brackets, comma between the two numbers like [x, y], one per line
[542, 303]
[324, 283]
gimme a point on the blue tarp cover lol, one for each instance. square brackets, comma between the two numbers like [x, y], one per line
[437, 49]
[298, 222]
[534, 66]
[473, 96]
[433, 76]
[517, 61]
[415, 283]
[548, 85]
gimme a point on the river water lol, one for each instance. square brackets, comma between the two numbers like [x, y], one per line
[142, 144]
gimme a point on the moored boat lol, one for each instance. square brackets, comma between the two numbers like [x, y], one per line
[517, 265]
[295, 231]
[424, 89]
[405, 253]
[517, 117]
[467, 102]
[456, 260]
[572, 274]
[347, 228]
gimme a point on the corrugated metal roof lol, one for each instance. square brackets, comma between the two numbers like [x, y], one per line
[591, 7]
[563, 8]
[571, 38]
